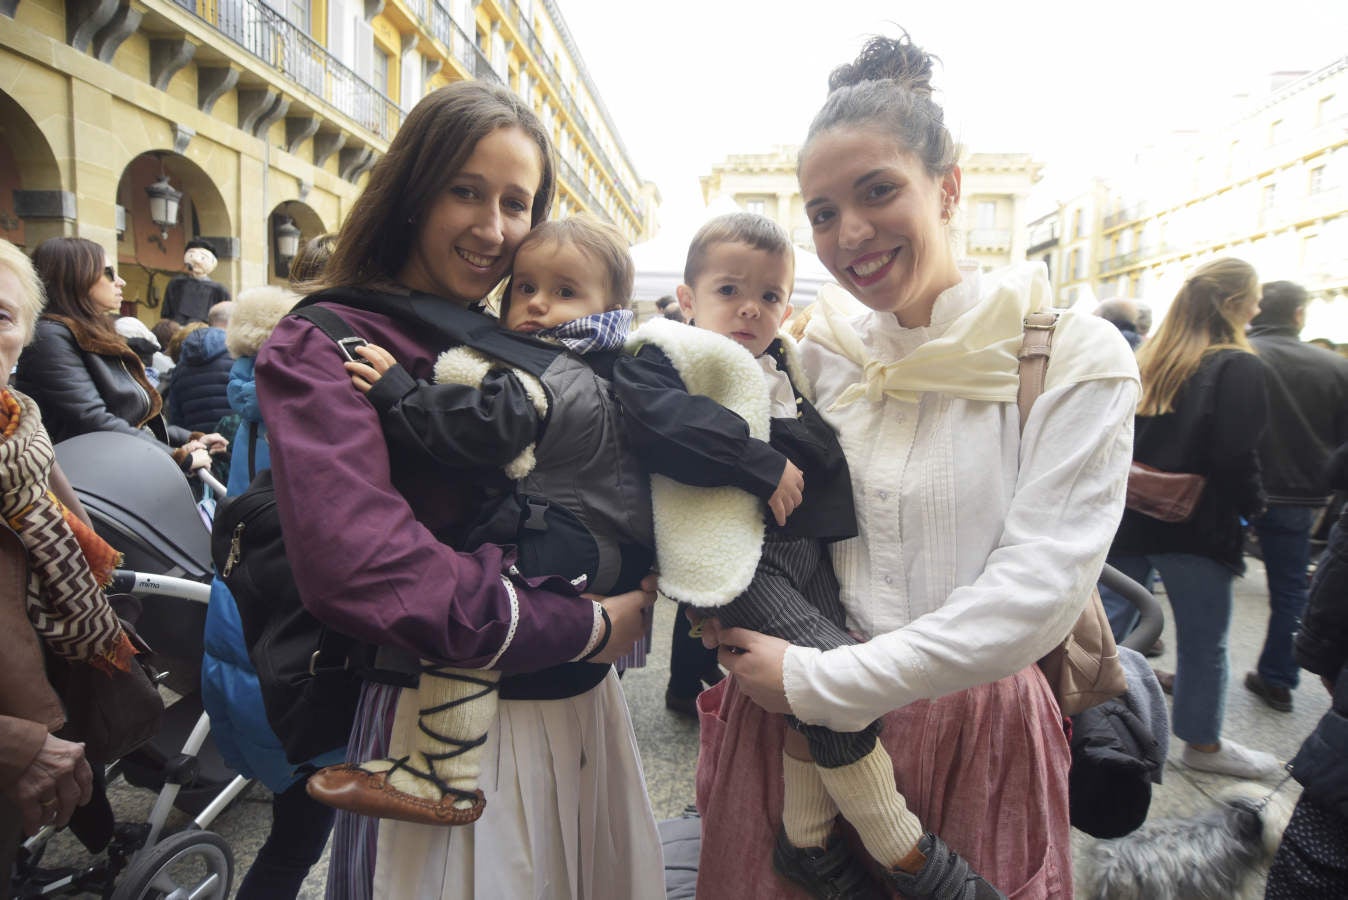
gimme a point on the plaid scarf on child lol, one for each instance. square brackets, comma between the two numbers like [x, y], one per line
[68, 562]
[602, 331]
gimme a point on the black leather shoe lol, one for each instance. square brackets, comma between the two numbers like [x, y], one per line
[828, 873]
[684, 706]
[945, 876]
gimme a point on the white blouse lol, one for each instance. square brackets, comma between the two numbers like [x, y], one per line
[978, 546]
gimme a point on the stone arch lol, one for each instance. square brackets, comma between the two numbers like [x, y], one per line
[149, 255]
[33, 202]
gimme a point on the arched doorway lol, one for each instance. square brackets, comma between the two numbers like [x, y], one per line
[33, 205]
[150, 254]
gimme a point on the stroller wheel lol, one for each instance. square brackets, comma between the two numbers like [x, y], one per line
[196, 864]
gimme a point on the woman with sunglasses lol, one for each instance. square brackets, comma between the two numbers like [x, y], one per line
[81, 372]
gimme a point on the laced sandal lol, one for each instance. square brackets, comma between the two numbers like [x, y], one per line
[367, 789]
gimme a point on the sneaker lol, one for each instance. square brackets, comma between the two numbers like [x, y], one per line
[1275, 695]
[827, 873]
[1234, 760]
[944, 876]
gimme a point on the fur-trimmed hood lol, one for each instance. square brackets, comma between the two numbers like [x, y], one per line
[256, 312]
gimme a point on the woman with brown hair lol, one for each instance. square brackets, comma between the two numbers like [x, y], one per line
[1203, 408]
[980, 535]
[81, 372]
[372, 536]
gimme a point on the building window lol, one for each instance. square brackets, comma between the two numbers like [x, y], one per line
[382, 62]
[1270, 197]
[1317, 182]
[987, 214]
[1275, 132]
[1074, 265]
[1076, 223]
[755, 206]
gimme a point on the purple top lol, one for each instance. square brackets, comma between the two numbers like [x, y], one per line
[360, 537]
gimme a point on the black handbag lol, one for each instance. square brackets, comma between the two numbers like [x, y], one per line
[111, 714]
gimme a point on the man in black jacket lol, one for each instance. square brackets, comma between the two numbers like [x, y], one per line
[1308, 419]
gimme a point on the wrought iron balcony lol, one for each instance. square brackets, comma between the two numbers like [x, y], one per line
[577, 184]
[273, 39]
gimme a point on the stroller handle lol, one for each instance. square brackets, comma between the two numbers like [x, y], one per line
[1153, 620]
[211, 482]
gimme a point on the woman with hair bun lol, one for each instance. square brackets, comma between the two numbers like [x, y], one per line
[980, 536]
[1203, 409]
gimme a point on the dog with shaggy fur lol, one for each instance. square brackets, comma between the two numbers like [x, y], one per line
[1211, 854]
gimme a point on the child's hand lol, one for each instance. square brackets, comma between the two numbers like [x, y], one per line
[377, 362]
[788, 495]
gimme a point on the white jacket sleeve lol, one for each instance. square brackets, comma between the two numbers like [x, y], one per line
[1061, 519]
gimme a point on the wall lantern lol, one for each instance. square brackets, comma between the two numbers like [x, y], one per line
[163, 204]
[287, 240]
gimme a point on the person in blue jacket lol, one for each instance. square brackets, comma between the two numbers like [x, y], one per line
[197, 400]
[300, 825]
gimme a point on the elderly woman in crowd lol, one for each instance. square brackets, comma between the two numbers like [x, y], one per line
[45, 601]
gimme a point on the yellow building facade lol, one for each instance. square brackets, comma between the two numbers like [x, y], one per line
[264, 115]
[995, 188]
[1269, 187]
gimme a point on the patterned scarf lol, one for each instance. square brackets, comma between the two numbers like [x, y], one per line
[588, 334]
[68, 563]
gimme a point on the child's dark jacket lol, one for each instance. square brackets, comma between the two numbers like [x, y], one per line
[696, 441]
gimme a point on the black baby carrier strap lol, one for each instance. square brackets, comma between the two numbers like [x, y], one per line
[310, 674]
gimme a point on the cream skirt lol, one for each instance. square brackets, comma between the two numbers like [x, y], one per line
[567, 811]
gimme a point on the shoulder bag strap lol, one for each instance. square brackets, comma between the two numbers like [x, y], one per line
[1034, 354]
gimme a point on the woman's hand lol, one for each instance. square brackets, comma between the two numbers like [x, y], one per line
[214, 443]
[198, 459]
[54, 784]
[377, 362]
[754, 659]
[628, 615]
[790, 490]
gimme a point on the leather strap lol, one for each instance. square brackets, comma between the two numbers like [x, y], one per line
[1034, 354]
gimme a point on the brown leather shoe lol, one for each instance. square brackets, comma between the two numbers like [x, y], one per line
[1167, 680]
[353, 789]
[1275, 695]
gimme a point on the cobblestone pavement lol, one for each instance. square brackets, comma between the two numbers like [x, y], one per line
[669, 742]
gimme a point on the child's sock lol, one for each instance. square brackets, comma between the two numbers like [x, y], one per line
[864, 791]
[808, 811]
[455, 703]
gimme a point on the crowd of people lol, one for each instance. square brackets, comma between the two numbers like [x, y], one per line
[859, 526]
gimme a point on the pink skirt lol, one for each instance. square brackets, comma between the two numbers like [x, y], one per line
[985, 769]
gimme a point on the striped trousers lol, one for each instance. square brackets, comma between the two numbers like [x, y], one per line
[794, 596]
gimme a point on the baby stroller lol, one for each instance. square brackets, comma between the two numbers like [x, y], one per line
[142, 506]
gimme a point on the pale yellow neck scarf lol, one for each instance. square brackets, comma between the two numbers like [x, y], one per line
[975, 359]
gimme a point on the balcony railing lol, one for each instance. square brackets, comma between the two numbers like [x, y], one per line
[1124, 260]
[1127, 214]
[577, 185]
[269, 36]
[526, 30]
[460, 45]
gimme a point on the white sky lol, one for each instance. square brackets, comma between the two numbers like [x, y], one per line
[1078, 84]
